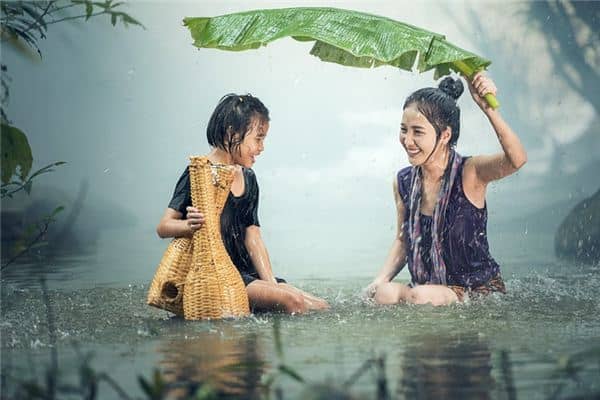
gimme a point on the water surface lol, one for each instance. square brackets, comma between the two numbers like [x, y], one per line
[539, 341]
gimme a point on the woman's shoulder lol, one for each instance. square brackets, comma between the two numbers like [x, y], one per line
[403, 178]
[404, 173]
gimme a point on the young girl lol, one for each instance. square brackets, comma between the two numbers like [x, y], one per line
[440, 201]
[236, 132]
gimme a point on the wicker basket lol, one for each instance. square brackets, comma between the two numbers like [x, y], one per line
[213, 287]
[166, 290]
[195, 277]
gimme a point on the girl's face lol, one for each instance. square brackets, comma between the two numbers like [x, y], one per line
[418, 136]
[253, 143]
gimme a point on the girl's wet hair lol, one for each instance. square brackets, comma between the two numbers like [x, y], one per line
[230, 122]
[439, 106]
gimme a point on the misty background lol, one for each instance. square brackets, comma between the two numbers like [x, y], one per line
[126, 107]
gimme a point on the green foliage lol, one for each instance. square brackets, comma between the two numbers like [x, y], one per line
[107, 7]
[282, 369]
[10, 188]
[33, 237]
[290, 372]
[157, 388]
[16, 154]
[24, 20]
[91, 382]
[154, 389]
[28, 21]
[17, 161]
[342, 36]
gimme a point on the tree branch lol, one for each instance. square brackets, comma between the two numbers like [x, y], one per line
[57, 9]
[33, 242]
[36, 22]
[569, 50]
[75, 17]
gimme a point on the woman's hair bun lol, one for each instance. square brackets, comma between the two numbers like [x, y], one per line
[452, 87]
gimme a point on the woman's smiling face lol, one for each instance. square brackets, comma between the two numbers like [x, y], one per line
[417, 135]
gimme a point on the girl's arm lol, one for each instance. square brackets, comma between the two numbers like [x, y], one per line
[488, 168]
[258, 254]
[396, 258]
[171, 224]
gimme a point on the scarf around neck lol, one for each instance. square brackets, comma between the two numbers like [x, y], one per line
[416, 266]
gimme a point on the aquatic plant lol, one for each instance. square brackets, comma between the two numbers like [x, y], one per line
[94, 384]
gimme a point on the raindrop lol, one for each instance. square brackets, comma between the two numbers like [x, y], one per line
[143, 332]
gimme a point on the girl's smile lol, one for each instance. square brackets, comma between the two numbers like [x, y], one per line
[253, 144]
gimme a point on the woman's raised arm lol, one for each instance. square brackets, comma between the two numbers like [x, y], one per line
[488, 168]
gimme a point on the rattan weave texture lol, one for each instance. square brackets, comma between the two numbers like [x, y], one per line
[166, 289]
[196, 278]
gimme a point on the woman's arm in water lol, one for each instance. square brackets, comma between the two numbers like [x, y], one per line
[489, 168]
[396, 258]
[258, 254]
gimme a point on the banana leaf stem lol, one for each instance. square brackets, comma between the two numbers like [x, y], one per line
[467, 71]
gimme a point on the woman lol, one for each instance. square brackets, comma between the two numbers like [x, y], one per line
[440, 201]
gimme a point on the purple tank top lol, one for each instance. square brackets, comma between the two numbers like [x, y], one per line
[464, 235]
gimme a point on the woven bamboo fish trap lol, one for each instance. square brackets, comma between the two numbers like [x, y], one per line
[196, 278]
[166, 289]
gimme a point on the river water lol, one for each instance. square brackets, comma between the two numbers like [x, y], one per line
[540, 341]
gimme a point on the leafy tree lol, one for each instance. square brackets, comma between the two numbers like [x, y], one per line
[572, 31]
[22, 25]
[26, 22]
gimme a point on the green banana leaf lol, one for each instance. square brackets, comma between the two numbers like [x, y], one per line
[344, 37]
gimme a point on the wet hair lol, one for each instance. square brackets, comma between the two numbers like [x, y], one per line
[439, 106]
[230, 122]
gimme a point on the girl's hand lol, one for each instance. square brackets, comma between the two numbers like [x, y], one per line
[479, 86]
[194, 219]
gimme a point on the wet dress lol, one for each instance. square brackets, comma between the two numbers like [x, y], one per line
[238, 213]
[469, 264]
